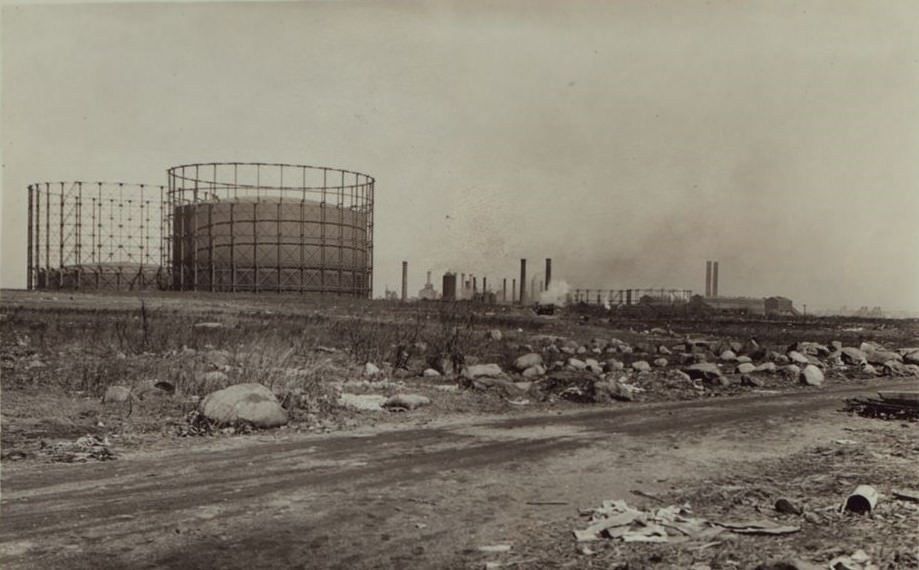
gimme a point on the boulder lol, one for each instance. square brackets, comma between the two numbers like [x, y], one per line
[798, 358]
[482, 371]
[869, 346]
[660, 362]
[811, 375]
[728, 356]
[791, 371]
[912, 356]
[706, 371]
[852, 355]
[745, 368]
[577, 363]
[430, 373]
[748, 380]
[527, 361]
[882, 356]
[605, 390]
[116, 395]
[766, 367]
[371, 370]
[494, 334]
[534, 371]
[613, 364]
[244, 403]
[641, 366]
[406, 401]
[869, 369]
[742, 359]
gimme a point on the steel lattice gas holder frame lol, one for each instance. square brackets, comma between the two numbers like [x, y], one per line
[263, 227]
[96, 235]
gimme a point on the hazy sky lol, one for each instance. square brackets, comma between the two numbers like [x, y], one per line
[629, 141]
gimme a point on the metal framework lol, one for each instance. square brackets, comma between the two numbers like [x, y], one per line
[96, 235]
[258, 227]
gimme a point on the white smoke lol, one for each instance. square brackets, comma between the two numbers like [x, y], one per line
[556, 294]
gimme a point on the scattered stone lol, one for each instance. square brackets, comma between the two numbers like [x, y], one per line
[786, 507]
[362, 402]
[641, 366]
[728, 356]
[534, 371]
[577, 363]
[482, 371]
[371, 370]
[494, 334]
[813, 517]
[116, 395]
[706, 371]
[852, 355]
[869, 369]
[798, 358]
[406, 401]
[209, 325]
[753, 381]
[527, 361]
[744, 359]
[882, 357]
[661, 362]
[911, 357]
[811, 375]
[430, 373]
[249, 403]
[769, 367]
[613, 364]
[745, 368]
[791, 371]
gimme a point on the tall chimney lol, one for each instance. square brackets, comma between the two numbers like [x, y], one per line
[404, 280]
[484, 284]
[429, 277]
[523, 281]
[475, 285]
[462, 286]
[513, 289]
[715, 279]
[548, 272]
[708, 278]
[504, 289]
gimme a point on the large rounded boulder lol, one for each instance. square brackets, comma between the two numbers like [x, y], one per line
[244, 404]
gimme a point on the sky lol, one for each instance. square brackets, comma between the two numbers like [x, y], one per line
[629, 141]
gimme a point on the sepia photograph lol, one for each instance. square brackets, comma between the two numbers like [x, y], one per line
[459, 284]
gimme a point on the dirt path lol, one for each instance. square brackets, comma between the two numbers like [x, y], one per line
[424, 497]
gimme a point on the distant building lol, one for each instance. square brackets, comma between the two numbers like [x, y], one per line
[428, 293]
[738, 305]
[780, 306]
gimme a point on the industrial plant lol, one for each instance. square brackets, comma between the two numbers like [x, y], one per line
[216, 227]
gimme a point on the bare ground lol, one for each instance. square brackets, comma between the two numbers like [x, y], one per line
[429, 496]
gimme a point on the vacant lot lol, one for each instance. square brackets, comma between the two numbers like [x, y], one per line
[492, 470]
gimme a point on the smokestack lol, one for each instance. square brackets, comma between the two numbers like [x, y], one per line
[462, 286]
[715, 279]
[429, 277]
[484, 284]
[404, 280]
[708, 278]
[513, 289]
[548, 272]
[504, 289]
[475, 285]
[523, 281]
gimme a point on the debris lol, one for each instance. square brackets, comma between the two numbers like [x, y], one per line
[705, 371]
[858, 560]
[209, 325]
[906, 495]
[616, 519]
[789, 565]
[641, 366]
[83, 449]
[477, 371]
[759, 527]
[371, 370]
[889, 405]
[541, 503]
[862, 500]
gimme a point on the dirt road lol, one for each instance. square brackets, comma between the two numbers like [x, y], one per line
[424, 496]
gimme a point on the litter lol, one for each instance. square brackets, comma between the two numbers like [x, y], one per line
[83, 449]
[673, 524]
[862, 500]
[907, 495]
